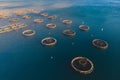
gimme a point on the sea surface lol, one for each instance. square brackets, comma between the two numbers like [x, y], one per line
[24, 58]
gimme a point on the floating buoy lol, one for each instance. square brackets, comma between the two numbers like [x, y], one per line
[101, 29]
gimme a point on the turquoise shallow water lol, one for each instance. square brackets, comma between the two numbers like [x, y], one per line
[24, 58]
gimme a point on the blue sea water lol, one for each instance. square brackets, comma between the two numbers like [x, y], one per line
[24, 58]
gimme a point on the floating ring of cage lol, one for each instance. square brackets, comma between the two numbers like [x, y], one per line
[38, 20]
[36, 12]
[44, 14]
[19, 13]
[51, 25]
[101, 44]
[28, 33]
[52, 17]
[67, 21]
[26, 17]
[84, 28]
[14, 20]
[70, 33]
[3, 16]
[30, 10]
[82, 65]
[49, 41]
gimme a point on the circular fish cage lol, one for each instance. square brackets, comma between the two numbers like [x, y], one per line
[49, 41]
[84, 28]
[69, 33]
[82, 65]
[101, 44]
[14, 20]
[52, 17]
[26, 17]
[51, 25]
[67, 21]
[38, 21]
[20, 13]
[28, 33]
[3, 16]
[44, 14]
